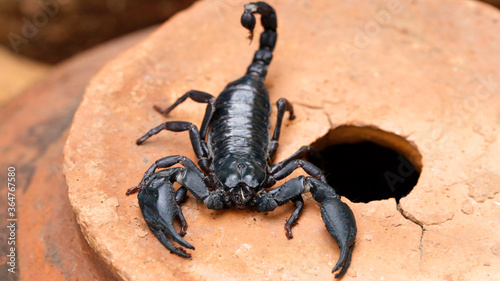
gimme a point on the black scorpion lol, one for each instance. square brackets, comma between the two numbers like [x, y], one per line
[235, 158]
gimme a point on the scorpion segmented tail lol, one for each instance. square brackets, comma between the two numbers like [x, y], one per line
[264, 54]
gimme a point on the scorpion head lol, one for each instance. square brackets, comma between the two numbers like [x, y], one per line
[241, 195]
[241, 179]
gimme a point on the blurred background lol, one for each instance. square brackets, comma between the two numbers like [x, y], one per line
[35, 35]
[51, 30]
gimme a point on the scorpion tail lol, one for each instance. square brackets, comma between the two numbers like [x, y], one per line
[264, 54]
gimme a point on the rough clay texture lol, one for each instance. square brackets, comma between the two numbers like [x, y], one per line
[35, 126]
[426, 70]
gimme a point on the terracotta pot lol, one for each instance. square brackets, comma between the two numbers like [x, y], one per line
[427, 83]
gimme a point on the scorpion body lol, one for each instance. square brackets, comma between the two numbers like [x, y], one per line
[235, 150]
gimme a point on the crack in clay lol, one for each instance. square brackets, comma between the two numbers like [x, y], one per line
[313, 107]
[329, 120]
[416, 221]
[307, 105]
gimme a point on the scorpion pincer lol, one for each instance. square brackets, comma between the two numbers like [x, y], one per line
[235, 151]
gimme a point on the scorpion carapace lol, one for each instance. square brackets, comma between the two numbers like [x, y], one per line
[235, 148]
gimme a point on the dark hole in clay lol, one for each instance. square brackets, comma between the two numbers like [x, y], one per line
[362, 170]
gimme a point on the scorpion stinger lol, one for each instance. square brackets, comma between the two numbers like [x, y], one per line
[235, 150]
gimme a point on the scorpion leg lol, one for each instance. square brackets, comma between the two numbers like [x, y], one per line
[283, 105]
[167, 162]
[281, 172]
[180, 194]
[199, 145]
[197, 96]
[178, 126]
[304, 152]
[299, 205]
[337, 216]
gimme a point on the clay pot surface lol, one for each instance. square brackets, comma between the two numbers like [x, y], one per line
[427, 71]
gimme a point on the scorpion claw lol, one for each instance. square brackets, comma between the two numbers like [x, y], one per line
[339, 221]
[169, 230]
[344, 261]
[168, 244]
[159, 208]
